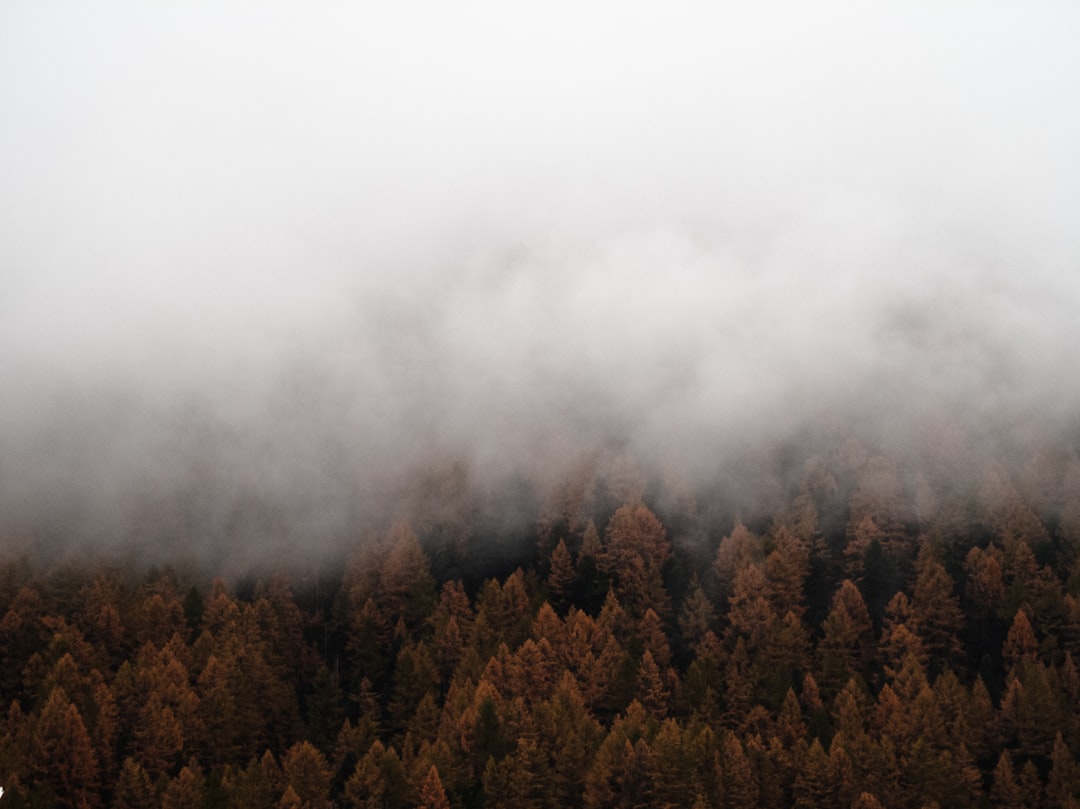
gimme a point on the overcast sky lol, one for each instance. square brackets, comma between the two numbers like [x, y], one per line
[332, 240]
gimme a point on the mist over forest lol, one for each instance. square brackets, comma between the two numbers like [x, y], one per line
[471, 406]
[273, 280]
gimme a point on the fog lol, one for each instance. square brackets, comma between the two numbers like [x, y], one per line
[264, 267]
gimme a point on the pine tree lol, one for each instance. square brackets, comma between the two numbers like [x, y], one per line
[696, 615]
[406, 587]
[846, 638]
[813, 785]
[134, 790]
[186, 790]
[378, 780]
[936, 611]
[521, 780]
[61, 754]
[1063, 785]
[290, 800]
[1005, 792]
[570, 735]
[737, 779]
[652, 691]
[737, 550]
[432, 795]
[305, 769]
[633, 554]
[1020, 644]
[561, 578]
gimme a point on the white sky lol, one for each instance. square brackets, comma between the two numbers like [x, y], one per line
[552, 222]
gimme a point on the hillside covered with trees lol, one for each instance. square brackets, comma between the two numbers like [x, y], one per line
[885, 638]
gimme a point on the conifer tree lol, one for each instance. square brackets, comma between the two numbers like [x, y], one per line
[1020, 644]
[1005, 792]
[737, 779]
[652, 691]
[378, 780]
[846, 637]
[134, 790]
[304, 768]
[695, 616]
[406, 587]
[813, 784]
[560, 580]
[61, 754]
[936, 611]
[633, 554]
[1063, 785]
[187, 789]
[432, 795]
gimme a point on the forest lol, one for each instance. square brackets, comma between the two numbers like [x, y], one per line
[885, 635]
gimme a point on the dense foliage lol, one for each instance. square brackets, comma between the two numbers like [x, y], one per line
[881, 641]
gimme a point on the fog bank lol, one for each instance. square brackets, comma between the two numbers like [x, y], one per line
[265, 268]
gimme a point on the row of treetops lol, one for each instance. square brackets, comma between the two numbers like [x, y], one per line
[873, 643]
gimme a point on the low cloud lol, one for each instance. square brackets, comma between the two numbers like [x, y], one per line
[264, 269]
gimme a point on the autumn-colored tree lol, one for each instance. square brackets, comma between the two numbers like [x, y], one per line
[786, 654]
[187, 789]
[737, 783]
[560, 580]
[167, 712]
[570, 735]
[1063, 784]
[549, 628]
[786, 570]
[99, 613]
[504, 613]
[324, 708]
[864, 537]
[520, 780]
[616, 772]
[368, 638]
[936, 611]
[218, 713]
[432, 795]
[253, 787]
[406, 587]
[532, 671]
[676, 765]
[1030, 709]
[652, 690]
[898, 640]
[158, 615]
[844, 646]
[749, 613]
[1020, 644]
[696, 615]
[633, 554]
[590, 584]
[61, 756]
[737, 550]
[1031, 786]
[984, 580]
[305, 769]
[134, 790]
[378, 781]
[1005, 792]
[290, 799]
[813, 785]
[415, 675]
